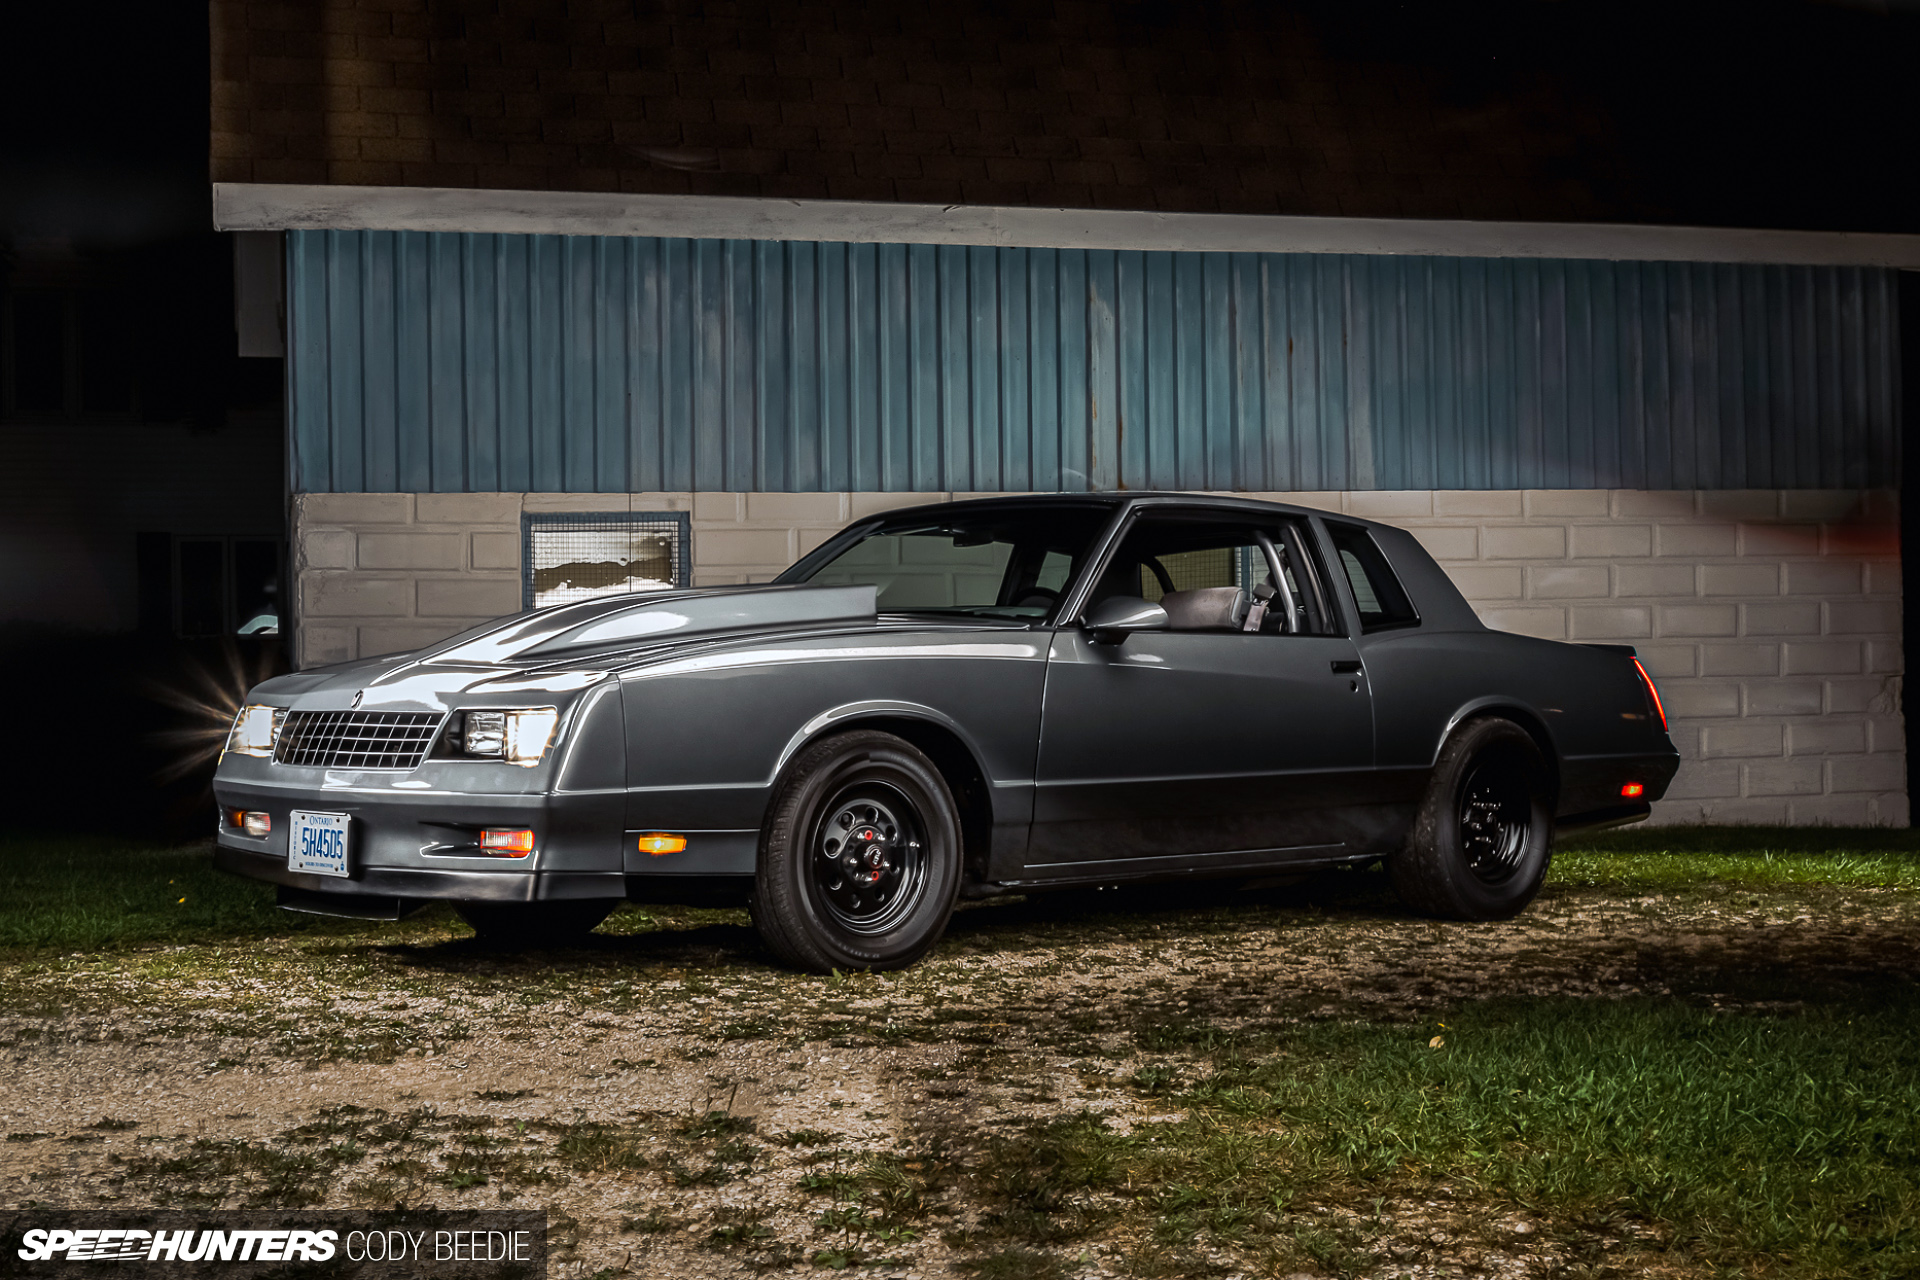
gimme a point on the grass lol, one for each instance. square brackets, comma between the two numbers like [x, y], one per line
[384, 1159]
[1741, 1142]
[1739, 1137]
[1759, 1115]
[96, 893]
[263, 1175]
[1773, 1136]
[89, 893]
[1668, 858]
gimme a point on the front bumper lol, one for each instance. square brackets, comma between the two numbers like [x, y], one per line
[419, 844]
[411, 884]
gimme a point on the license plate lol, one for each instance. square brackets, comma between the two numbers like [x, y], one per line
[317, 843]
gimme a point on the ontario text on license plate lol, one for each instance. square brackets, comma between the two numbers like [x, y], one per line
[318, 843]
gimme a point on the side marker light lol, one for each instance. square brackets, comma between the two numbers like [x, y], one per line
[657, 844]
[1633, 790]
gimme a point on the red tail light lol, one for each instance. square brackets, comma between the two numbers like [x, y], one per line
[1653, 694]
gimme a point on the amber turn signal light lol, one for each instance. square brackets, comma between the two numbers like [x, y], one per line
[512, 842]
[1633, 790]
[657, 844]
[254, 824]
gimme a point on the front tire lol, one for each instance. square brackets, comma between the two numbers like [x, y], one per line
[1484, 834]
[860, 858]
[556, 923]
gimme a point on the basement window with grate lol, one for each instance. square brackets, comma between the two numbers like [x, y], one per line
[582, 555]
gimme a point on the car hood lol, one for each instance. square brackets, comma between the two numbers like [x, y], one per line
[568, 647]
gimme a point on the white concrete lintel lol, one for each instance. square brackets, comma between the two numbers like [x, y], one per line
[250, 206]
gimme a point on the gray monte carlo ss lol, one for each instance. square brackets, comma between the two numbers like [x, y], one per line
[945, 702]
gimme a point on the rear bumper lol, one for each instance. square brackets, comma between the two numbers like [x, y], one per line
[1601, 819]
[1592, 785]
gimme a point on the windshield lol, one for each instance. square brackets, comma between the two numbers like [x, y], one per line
[1000, 563]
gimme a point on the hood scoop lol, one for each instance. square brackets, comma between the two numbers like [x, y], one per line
[682, 616]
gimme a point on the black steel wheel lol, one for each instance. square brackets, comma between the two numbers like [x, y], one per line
[555, 923]
[869, 859]
[860, 857]
[1495, 818]
[1484, 833]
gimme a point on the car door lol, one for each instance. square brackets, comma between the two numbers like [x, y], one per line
[1229, 739]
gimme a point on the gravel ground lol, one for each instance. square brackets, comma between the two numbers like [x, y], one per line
[683, 1108]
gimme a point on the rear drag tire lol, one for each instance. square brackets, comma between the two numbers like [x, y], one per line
[877, 800]
[1483, 836]
[557, 923]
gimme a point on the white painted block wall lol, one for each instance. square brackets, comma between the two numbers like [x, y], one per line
[1770, 618]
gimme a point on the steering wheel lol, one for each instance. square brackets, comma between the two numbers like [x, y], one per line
[1045, 597]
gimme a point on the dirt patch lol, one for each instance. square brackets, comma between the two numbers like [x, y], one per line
[682, 1107]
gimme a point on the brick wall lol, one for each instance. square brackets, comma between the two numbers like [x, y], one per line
[1549, 112]
[1771, 619]
[1243, 108]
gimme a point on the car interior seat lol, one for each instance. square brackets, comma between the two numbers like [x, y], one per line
[1207, 609]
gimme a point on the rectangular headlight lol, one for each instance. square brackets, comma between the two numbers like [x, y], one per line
[255, 729]
[486, 733]
[518, 737]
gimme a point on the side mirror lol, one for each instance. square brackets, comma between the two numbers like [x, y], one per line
[1114, 619]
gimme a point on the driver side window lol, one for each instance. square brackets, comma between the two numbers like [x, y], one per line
[1219, 577]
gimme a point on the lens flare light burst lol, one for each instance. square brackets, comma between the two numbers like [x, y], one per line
[206, 698]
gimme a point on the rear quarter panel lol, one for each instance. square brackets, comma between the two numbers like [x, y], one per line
[1587, 703]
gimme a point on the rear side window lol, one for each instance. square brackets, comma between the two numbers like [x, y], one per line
[1383, 602]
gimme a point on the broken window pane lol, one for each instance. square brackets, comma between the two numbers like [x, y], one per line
[582, 556]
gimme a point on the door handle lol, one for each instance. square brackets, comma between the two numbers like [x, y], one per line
[1346, 666]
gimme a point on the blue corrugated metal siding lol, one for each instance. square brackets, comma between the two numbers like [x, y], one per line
[442, 362]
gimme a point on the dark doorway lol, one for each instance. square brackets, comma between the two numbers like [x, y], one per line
[1909, 503]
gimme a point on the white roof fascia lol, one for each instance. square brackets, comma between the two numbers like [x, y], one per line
[254, 206]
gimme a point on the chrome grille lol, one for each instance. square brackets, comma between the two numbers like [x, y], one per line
[356, 739]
